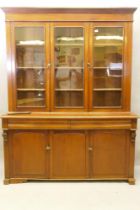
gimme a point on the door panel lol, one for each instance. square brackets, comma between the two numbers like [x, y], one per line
[109, 156]
[29, 157]
[68, 155]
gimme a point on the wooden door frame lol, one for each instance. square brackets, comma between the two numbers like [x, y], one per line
[12, 69]
[126, 83]
[52, 90]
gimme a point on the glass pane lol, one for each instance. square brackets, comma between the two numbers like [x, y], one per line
[31, 98]
[108, 66]
[69, 78]
[69, 99]
[30, 78]
[69, 66]
[107, 99]
[29, 46]
[30, 65]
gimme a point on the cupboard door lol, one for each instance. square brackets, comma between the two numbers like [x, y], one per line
[68, 155]
[68, 66]
[107, 66]
[28, 154]
[109, 154]
[31, 43]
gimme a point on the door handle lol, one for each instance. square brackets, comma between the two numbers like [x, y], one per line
[89, 66]
[48, 65]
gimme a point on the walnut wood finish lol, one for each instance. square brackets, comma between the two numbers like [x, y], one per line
[109, 156]
[68, 155]
[95, 147]
[69, 143]
[28, 156]
[85, 18]
[63, 14]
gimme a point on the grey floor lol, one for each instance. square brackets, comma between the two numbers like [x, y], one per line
[71, 195]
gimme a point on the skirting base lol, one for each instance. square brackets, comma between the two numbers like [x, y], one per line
[131, 181]
[14, 181]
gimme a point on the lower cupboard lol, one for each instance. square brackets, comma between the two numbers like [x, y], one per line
[68, 155]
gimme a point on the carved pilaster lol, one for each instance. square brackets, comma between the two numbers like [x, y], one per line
[5, 136]
[133, 135]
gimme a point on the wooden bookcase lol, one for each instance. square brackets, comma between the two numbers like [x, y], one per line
[69, 83]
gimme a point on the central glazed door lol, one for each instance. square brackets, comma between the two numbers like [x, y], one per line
[68, 155]
[69, 50]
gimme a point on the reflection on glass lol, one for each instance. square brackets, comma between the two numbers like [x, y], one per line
[30, 78]
[69, 43]
[69, 66]
[107, 72]
[108, 44]
[108, 66]
[69, 78]
[29, 46]
[30, 62]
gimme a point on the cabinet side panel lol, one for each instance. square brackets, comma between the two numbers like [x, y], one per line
[10, 72]
[127, 66]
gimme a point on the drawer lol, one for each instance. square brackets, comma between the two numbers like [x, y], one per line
[100, 124]
[41, 124]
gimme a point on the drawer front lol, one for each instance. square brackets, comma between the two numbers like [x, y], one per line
[39, 124]
[100, 124]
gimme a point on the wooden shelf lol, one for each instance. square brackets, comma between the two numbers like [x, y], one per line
[68, 67]
[30, 67]
[107, 89]
[69, 44]
[30, 45]
[107, 107]
[106, 67]
[30, 89]
[108, 45]
[108, 77]
[29, 100]
[69, 107]
[35, 106]
[69, 89]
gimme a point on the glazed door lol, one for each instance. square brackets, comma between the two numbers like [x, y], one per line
[31, 66]
[68, 155]
[28, 154]
[108, 154]
[108, 63]
[68, 66]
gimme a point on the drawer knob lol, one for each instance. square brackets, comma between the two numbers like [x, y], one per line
[90, 148]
